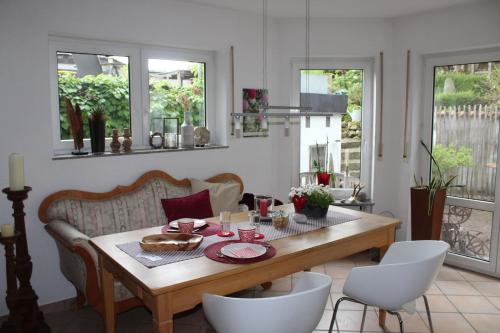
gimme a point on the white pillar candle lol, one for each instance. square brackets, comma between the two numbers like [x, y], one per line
[16, 172]
[7, 230]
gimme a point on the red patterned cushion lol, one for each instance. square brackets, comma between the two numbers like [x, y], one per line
[195, 206]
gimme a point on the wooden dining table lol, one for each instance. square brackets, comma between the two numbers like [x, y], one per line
[177, 287]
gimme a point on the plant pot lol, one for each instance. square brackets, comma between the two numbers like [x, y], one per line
[423, 225]
[97, 128]
[323, 178]
[314, 212]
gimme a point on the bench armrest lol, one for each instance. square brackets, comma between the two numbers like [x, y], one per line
[71, 238]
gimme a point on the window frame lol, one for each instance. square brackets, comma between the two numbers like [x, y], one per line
[168, 53]
[138, 55]
[368, 118]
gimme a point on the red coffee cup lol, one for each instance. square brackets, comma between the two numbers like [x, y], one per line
[186, 226]
[246, 233]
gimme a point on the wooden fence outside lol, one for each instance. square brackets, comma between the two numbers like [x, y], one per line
[475, 127]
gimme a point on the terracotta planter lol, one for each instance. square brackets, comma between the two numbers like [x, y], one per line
[424, 226]
[323, 178]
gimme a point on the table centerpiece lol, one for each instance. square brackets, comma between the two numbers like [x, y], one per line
[311, 200]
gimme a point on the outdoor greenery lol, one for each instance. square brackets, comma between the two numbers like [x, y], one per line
[344, 81]
[105, 91]
[164, 101]
[111, 93]
[450, 158]
[469, 88]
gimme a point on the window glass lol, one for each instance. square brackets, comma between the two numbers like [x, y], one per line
[94, 81]
[169, 82]
[465, 143]
[342, 154]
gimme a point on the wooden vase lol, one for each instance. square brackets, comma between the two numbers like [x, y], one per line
[423, 225]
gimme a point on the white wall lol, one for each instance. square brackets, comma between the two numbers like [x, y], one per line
[25, 123]
[25, 105]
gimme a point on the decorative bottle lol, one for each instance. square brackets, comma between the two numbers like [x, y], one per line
[115, 143]
[187, 131]
[127, 141]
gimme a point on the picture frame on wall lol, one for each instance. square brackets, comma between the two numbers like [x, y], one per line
[253, 99]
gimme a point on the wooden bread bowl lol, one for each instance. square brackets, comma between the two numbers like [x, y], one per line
[171, 242]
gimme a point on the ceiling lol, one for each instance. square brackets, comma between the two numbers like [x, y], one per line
[336, 8]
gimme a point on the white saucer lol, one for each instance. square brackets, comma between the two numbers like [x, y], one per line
[197, 223]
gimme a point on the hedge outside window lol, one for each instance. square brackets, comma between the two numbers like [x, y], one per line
[167, 80]
[92, 80]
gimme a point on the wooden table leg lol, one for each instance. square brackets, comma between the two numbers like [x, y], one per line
[108, 297]
[390, 239]
[163, 321]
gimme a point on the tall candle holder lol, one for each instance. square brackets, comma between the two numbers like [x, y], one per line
[25, 312]
[11, 298]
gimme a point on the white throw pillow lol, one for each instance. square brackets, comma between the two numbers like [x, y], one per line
[223, 196]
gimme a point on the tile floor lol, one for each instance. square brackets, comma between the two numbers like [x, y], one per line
[460, 301]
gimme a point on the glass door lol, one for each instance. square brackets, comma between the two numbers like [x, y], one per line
[465, 136]
[340, 144]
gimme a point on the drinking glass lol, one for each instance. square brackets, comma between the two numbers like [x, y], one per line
[254, 219]
[225, 222]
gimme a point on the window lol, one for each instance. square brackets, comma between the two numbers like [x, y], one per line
[168, 80]
[344, 131]
[125, 79]
[344, 139]
[90, 81]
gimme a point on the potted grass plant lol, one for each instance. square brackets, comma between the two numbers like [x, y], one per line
[427, 202]
[323, 177]
[97, 126]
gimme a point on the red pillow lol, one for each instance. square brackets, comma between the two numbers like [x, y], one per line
[195, 206]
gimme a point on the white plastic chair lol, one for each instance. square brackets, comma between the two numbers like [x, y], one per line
[298, 312]
[404, 274]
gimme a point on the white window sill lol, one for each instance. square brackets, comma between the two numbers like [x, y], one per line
[134, 152]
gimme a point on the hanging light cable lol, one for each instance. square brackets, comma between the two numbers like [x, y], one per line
[308, 54]
[265, 22]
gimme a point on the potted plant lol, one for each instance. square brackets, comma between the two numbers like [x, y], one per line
[311, 200]
[427, 202]
[97, 127]
[322, 176]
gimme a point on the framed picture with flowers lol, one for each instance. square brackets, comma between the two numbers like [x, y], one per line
[253, 99]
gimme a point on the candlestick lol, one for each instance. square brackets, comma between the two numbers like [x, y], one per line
[25, 309]
[7, 230]
[16, 172]
[13, 322]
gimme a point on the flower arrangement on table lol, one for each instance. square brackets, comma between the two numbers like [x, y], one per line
[311, 200]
